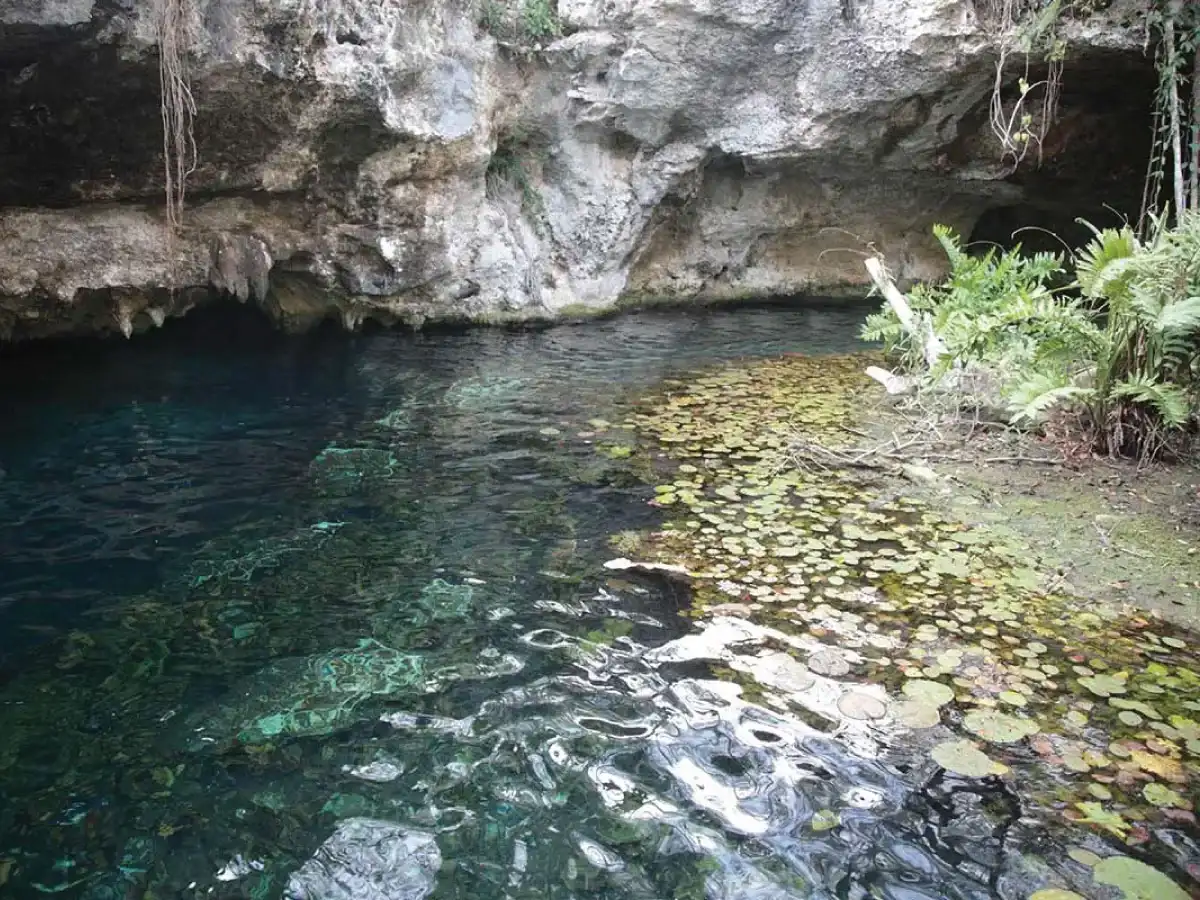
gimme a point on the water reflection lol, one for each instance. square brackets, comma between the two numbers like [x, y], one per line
[250, 598]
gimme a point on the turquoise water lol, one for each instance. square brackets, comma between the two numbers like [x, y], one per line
[255, 585]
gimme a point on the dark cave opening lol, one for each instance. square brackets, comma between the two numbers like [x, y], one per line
[1093, 160]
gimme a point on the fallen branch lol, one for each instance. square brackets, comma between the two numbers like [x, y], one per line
[918, 327]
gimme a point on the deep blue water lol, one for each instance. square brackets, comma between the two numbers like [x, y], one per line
[238, 567]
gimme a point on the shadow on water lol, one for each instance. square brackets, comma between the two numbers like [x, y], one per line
[257, 585]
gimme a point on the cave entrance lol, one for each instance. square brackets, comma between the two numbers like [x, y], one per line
[1093, 161]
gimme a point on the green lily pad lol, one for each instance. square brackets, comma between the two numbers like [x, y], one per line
[1055, 894]
[1103, 685]
[1130, 718]
[824, 819]
[1137, 706]
[931, 693]
[1136, 880]
[916, 714]
[1012, 698]
[1160, 795]
[998, 727]
[964, 758]
[1083, 857]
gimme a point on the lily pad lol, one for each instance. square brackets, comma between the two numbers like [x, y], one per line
[1160, 795]
[1055, 894]
[916, 714]
[998, 727]
[824, 819]
[931, 693]
[1083, 857]
[964, 758]
[1103, 685]
[1136, 880]
[860, 705]
[829, 663]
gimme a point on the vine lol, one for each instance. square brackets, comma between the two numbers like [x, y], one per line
[1029, 28]
[172, 20]
[1026, 28]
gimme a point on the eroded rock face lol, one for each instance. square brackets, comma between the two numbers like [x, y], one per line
[390, 160]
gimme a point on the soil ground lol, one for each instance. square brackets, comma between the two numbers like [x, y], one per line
[1118, 534]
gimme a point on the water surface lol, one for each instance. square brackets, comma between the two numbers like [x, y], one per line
[253, 585]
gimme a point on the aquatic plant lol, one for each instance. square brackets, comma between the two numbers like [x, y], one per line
[1092, 717]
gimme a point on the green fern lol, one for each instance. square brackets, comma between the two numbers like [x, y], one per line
[1032, 399]
[1123, 353]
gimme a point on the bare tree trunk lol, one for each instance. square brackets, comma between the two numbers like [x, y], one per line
[1174, 12]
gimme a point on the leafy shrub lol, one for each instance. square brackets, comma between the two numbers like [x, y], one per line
[984, 311]
[1119, 350]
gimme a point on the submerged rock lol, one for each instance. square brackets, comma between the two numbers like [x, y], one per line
[369, 859]
[297, 697]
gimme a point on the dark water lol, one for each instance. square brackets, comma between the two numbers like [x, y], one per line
[254, 585]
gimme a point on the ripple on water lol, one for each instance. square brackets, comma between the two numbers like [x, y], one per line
[358, 579]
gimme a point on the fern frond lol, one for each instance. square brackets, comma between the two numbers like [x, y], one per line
[1032, 398]
[1169, 401]
[1102, 267]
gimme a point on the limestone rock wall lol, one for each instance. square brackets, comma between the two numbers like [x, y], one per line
[395, 160]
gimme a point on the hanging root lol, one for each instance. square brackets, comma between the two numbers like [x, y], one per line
[1013, 25]
[173, 31]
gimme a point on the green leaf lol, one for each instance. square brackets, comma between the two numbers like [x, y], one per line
[998, 727]
[1136, 880]
[964, 758]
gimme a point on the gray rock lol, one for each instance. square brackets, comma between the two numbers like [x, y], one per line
[369, 859]
[374, 159]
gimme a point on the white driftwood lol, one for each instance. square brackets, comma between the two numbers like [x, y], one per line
[918, 328]
[892, 383]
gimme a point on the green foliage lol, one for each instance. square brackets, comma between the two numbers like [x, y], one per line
[519, 153]
[1121, 352]
[983, 311]
[523, 25]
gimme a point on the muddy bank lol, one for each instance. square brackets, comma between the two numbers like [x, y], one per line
[1108, 530]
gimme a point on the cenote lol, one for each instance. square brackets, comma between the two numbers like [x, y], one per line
[354, 615]
[254, 585]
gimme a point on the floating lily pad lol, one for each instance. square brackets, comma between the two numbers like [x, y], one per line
[860, 705]
[1083, 857]
[1103, 685]
[1055, 894]
[964, 758]
[824, 819]
[1136, 880]
[998, 727]
[1130, 718]
[1160, 795]
[916, 714]
[931, 693]
[829, 663]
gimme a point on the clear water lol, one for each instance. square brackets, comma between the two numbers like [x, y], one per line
[239, 567]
